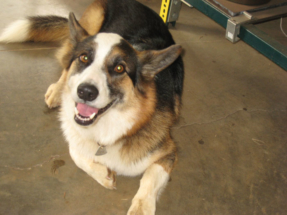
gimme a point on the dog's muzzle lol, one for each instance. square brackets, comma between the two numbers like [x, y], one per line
[84, 114]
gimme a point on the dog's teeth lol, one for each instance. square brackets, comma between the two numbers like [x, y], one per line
[84, 118]
[93, 115]
[79, 117]
[76, 111]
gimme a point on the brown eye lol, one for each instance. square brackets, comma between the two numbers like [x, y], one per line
[119, 68]
[84, 58]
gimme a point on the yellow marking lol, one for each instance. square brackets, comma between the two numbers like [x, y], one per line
[164, 9]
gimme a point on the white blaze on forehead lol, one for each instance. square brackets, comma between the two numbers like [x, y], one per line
[95, 73]
[105, 42]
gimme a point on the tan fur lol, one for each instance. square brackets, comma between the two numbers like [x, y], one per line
[91, 21]
[62, 52]
[151, 138]
[143, 100]
[72, 69]
[150, 133]
[54, 92]
[93, 17]
[170, 159]
[49, 36]
[177, 106]
[146, 108]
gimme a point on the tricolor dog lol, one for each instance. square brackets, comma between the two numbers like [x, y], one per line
[120, 92]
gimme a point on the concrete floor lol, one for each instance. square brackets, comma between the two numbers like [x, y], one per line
[232, 131]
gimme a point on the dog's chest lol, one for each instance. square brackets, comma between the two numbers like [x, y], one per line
[112, 159]
[83, 141]
[116, 162]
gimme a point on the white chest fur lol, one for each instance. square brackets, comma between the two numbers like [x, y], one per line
[83, 141]
[112, 159]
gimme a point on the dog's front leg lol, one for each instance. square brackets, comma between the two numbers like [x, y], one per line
[99, 172]
[54, 92]
[153, 181]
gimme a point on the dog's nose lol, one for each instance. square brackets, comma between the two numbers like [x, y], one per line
[87, 92]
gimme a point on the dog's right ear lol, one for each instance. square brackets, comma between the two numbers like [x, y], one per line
[77, 32]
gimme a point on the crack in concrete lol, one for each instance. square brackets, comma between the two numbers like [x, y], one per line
[52, 157]
[228, 115]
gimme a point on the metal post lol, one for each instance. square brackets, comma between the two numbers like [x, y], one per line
[169, 11]
[164, 10]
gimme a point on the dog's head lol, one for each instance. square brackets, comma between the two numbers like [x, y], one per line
[105, 72]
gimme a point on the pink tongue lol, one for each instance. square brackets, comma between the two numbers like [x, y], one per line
[85, 110]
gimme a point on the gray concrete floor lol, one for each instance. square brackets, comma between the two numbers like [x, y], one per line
[232, 131]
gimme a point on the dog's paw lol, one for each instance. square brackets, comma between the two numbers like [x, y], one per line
[110, 180]
[142, 207]
[53, 95]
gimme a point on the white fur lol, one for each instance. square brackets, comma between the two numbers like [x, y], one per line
[18, 31]
[113, 160]
[110, 126]
[96, 170]
[106, 130]
[153, 181]
[94, 74]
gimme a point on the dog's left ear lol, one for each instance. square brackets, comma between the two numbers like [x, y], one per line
[77, 32]
[155, 61]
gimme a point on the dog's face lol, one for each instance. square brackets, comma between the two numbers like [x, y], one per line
[100, 75]
[106, 72]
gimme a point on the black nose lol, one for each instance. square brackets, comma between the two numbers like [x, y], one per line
[87, 92]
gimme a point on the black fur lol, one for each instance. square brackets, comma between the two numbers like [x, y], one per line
[84, 47]
[145, 30]
[47, 22]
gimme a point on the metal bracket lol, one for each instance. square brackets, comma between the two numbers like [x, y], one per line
[170, 9]
[234, 23]
[174, 10]
[250, 33]
[164, 10]
[233, 26]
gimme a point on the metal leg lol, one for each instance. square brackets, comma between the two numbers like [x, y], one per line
[233, 26]
[169, 11]
[174, 10]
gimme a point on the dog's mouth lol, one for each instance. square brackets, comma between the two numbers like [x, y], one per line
[85, 115]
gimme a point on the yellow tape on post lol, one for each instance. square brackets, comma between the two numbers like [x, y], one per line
[164, 10]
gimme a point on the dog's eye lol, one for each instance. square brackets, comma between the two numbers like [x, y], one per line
[84, 58]
[119, 68]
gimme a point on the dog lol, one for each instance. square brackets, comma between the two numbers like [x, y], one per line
[120, 92]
